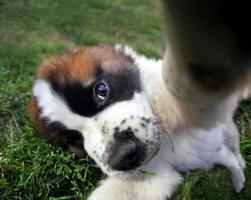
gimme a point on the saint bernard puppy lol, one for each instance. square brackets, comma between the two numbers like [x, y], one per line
[134, 115]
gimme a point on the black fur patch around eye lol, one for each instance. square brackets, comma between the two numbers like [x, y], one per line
[123, 85]
[83, 101]
[80, 99]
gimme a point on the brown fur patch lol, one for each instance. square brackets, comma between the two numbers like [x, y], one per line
[81, 64]
[74, 66]
[33, 112]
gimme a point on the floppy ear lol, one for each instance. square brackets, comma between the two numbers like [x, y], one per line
[56, 133]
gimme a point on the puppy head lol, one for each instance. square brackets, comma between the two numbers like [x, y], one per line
[92, 99]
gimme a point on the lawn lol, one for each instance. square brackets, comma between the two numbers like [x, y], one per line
[32, 30]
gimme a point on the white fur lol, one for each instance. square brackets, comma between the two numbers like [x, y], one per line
[159, 187]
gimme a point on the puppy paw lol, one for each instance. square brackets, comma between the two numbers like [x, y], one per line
[158, 187]
[238, 179]
[97, 195]
[112, 189]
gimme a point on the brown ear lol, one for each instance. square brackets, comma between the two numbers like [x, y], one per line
[56, 132]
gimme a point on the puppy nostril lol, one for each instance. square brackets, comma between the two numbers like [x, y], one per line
[123, 135]
[131, 152]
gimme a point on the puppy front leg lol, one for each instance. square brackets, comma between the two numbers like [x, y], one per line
[113, 189]
[230, 160]
[158, 187]
[207, 58]
[232, 141]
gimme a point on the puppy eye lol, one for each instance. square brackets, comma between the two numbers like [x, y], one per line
[101, 90]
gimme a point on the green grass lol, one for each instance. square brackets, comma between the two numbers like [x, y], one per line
[32, 30]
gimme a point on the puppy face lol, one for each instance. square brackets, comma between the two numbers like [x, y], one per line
[92, 99]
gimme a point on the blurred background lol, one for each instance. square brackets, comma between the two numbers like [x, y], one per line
[32, 30]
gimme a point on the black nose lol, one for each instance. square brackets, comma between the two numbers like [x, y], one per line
[127, 152]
